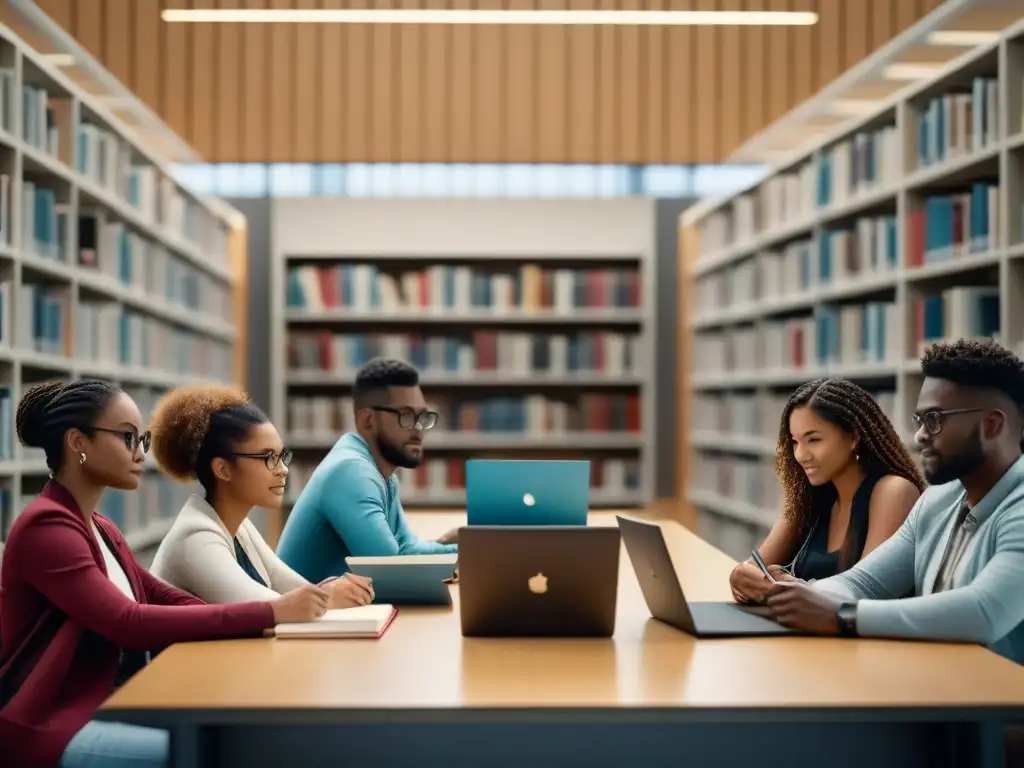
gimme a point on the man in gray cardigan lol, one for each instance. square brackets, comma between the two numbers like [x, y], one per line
[954, 570]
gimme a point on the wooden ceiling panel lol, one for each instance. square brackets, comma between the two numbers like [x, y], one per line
[329, 93]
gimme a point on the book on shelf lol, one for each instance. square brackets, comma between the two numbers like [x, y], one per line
[751, 481]
[6, 424]
[513, 353]
[867, 248]
[785, 198]
[525, 416]
[958, 123]
[42, 319]
[865, 161]
[950, 226]
[44, 222]
[364, 621]
[105, 333]
[455, 288]
[968, 312]
[147, 268]
[783, 272]
[847, 334]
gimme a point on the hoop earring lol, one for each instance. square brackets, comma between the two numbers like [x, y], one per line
[82, 460]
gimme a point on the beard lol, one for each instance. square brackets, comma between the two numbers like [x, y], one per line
[950, 468]
[393, 454]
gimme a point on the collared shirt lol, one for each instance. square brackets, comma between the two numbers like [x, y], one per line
[963, 530]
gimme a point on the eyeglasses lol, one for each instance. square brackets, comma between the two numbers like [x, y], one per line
[933, 421]
[132, 439]
[271, 458]
[408, 418]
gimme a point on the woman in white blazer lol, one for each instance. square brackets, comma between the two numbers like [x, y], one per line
[216, 436]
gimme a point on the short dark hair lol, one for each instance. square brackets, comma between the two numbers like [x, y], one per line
[377, 376]
[48, 410]
[983, 364]
[192, 426]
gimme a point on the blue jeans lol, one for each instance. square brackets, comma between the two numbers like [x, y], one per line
[117, 745]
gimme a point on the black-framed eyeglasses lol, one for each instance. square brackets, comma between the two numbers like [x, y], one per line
[933, 421]
[408, 418]
[271, 458]
[132, 439]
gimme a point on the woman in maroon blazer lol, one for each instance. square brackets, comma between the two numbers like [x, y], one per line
[78, 614]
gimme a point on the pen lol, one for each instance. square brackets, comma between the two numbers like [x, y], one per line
[762, 566]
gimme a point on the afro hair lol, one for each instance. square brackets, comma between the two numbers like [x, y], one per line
[181, 421]
[980, 363]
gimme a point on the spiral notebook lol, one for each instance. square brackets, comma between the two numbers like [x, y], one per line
[366, 621]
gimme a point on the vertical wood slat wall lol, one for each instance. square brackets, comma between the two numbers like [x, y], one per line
[333, 93]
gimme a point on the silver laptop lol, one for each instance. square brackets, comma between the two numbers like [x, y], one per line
[648, 553]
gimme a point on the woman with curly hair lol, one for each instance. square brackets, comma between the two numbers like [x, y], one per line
[216, 436]
[848, 485]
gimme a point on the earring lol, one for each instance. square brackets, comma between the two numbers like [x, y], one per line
[82, 460]
[856, 455]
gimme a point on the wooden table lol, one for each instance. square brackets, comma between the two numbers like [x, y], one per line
[650, 696]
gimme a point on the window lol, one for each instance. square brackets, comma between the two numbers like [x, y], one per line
[463, 179]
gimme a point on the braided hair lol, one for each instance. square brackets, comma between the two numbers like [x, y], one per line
[855, 411]
[48, 410]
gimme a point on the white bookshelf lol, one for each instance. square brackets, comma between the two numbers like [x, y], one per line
[903, 229]
[109, 268]
[527, 350]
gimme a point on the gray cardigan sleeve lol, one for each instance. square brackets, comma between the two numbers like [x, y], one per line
[984, 611]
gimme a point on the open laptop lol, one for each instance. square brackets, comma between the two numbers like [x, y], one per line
[649, 555]
[527, 492]
[538, 581]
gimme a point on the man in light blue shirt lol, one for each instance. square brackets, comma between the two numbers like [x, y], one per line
[351, 504]
[954, 570]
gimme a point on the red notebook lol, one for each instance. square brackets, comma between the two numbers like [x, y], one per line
[367, 621]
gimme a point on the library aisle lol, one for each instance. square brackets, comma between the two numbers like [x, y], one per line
[905, 229]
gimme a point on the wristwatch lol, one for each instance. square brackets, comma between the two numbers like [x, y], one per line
[846, 618]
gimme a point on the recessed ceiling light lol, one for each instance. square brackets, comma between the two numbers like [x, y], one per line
[478, 16]
[60, 59]
[965, 38]
[912, 71]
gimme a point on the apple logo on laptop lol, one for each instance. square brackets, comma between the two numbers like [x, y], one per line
[538, 584]
[528, 499]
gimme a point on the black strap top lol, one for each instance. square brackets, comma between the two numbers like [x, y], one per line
[814, 560]
[246, 563]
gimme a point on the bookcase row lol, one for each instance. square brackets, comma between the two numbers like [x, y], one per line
[862, 260]
[500, 287]
[875, 333]
[460, 355]
[917, 150]
[64, 141]
[543, 421]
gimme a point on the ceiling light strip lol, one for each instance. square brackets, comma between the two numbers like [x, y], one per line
[474, 16]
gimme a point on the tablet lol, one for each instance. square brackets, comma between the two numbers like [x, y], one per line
[408, 579]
